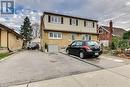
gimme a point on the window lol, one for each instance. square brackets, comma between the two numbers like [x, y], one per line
[90, 24]
[55, 19]
[90, 37]
[74, 36]
[51, 34]
[55, 35]
[73, 44]
[86, 37]
[100, 31]
[79, 43]
[73, 21]
[92, 43]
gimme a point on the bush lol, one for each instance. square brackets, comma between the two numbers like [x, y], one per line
[112, 46]
[119, 45]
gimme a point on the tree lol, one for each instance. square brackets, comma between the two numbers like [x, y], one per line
[26, 31]
[126, 35]
[35, 30]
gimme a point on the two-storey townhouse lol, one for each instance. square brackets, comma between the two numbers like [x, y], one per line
[60, 30]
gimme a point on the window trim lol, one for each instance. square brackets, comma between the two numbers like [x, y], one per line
[57, 36]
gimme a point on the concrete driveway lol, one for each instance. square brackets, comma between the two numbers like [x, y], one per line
[29, 66]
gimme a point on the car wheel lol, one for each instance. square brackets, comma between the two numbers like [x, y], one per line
[96, 56]
[67, 51]
[81, 55]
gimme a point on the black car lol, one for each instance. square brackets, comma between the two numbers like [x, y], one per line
[84, 48]
[32, 46]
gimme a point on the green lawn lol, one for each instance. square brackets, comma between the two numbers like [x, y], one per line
[3, 55]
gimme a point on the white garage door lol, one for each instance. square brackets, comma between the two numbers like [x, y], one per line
[53, 48]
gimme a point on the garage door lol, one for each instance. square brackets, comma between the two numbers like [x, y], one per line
[53, 48]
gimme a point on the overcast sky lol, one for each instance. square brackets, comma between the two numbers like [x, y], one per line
[101, 10]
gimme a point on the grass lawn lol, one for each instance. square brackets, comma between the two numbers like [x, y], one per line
[3, 55]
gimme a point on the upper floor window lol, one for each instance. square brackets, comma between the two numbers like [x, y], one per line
[100, 31]
[73, 21]
[55, 35]
[55, 19]
[90, 24]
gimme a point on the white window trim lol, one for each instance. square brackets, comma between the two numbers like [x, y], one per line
[56, 35]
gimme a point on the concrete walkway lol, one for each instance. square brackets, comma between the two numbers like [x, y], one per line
[115, 77]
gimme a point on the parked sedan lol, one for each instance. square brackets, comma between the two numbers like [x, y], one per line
[84, 48]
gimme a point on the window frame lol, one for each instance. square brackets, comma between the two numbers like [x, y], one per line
[73, 22]
[90, 24]
[55, 35]
[56, 19]
[86, 37]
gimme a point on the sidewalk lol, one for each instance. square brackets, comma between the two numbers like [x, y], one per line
[116, 77]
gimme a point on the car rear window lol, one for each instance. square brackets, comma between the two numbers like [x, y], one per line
[92, 43]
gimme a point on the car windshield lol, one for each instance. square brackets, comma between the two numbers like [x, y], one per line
[92, 43]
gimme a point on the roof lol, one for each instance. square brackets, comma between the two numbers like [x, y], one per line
[10, 30]
[116, 31]
[58, 14]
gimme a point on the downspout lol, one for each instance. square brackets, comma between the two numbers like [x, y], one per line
[0, 37]
[8, 42]
[97, 32]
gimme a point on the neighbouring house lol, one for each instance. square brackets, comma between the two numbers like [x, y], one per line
[106, 33]
[59, 30]
[9, 39]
